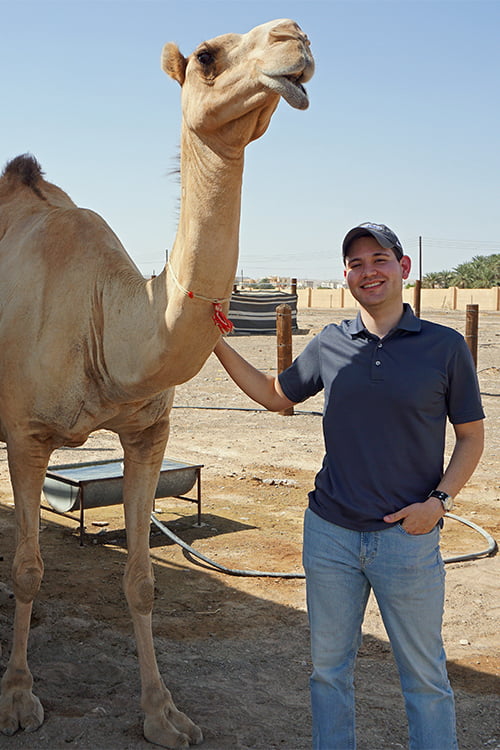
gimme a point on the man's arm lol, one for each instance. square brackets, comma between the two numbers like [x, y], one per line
[465, 457]
[259, 386]
[420, 518]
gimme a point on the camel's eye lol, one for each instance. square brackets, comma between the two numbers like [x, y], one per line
[205, 57]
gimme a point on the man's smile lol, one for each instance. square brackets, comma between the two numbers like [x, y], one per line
[371, 284]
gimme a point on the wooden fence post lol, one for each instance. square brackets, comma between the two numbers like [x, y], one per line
[471, 329]
[284, 343]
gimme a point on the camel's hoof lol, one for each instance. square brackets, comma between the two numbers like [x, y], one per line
[196, 736]
[160, 731]
[20, 709]
[10, 728]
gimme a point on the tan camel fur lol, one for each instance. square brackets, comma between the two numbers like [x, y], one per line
[87, 343]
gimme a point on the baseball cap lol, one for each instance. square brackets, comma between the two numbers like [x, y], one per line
[384, 236]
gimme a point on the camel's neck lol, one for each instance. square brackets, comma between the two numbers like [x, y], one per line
[205, 253]
[203, 260]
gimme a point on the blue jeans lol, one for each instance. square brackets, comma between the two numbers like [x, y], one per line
[406, 574]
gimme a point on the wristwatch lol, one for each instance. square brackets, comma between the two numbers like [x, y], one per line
[446, 500]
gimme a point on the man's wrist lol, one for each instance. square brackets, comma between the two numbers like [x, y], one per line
[443, 497]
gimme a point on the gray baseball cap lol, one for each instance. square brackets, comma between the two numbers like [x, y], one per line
[384, 236]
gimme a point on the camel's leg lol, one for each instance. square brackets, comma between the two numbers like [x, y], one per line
[19, 708]
[163, 724]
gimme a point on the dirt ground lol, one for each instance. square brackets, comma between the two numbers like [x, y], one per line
[234, 649]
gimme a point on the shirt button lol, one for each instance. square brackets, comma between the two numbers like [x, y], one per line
[379, 346]
[378, 363]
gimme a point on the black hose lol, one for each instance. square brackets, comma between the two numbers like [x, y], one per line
[211, 563]
[492, 546]
[490, 549]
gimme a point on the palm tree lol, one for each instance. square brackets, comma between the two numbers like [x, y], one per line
[483, 271]
[431, 280]
[438, 280]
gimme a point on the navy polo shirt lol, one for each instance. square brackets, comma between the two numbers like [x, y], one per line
[386, 403]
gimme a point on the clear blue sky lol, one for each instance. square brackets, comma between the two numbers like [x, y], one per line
[403, 126]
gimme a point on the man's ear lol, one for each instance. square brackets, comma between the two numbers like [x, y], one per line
[173, 63]
[405, 263]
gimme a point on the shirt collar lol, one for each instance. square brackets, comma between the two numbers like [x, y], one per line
[408, 322]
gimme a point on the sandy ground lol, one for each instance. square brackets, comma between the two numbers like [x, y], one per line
[234, 649]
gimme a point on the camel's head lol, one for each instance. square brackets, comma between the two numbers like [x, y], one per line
[232, 84]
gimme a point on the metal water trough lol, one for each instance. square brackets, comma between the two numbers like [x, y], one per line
[72, 487]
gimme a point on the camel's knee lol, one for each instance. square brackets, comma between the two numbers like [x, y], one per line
[27, 574]
[139, 590]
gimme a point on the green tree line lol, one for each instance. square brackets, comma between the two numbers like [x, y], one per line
[482, 272]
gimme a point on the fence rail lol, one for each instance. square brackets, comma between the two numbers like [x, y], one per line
[430, 299]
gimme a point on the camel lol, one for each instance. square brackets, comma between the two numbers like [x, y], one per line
[87, 343]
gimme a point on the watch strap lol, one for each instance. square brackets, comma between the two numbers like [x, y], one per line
[446, 500]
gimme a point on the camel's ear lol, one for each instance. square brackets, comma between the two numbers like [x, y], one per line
[173, 63]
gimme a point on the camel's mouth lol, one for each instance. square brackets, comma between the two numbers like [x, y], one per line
[296, 81]
[294, 92]
[289, 87]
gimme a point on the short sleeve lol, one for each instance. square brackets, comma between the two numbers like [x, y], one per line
[464, 397]
[303, 378]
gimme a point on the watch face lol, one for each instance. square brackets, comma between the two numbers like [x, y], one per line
[447, 503]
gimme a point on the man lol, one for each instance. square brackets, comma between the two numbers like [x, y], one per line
[391, 381]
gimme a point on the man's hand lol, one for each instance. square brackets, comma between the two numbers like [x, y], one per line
[418, 518]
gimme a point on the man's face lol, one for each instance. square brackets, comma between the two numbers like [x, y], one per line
[374, 275]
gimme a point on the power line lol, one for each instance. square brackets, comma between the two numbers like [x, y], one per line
[454, 244]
